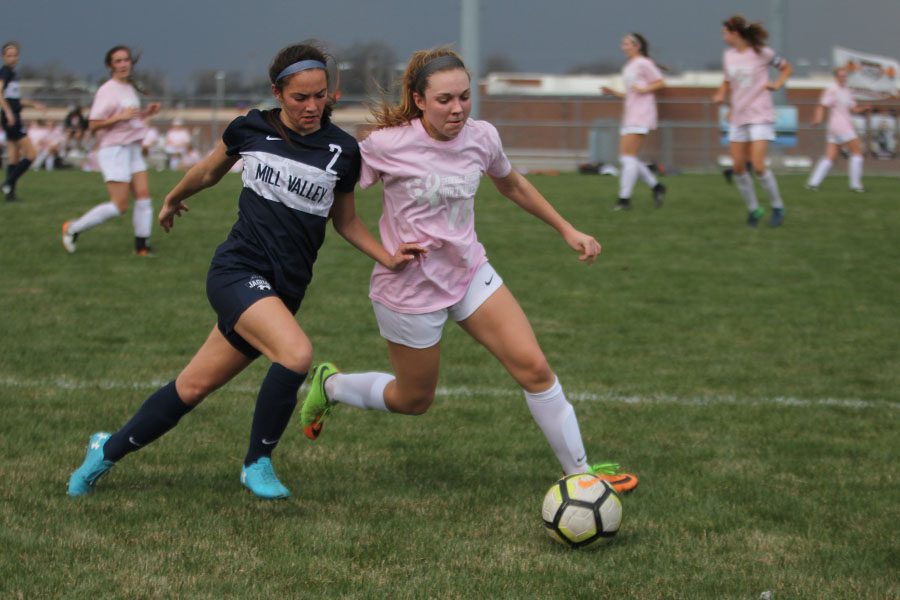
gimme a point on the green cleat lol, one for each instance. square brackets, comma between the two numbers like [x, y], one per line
[317, 405]
[609, 472]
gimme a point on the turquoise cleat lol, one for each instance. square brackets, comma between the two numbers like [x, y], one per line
[260, 478]
[85, 477]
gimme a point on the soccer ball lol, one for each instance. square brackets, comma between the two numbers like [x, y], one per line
[581, 510]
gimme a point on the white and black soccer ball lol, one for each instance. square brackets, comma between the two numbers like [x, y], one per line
[581, 510]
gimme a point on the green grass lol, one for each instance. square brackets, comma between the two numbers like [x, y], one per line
[749, 377]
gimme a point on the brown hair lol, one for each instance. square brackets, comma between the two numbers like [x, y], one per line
[107, 60]
[753, 33]
[10, 45]
[421, 66]
[644, 48]
[306, 50]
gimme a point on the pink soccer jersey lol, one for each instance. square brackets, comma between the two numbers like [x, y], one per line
[839, 102]
[747, 73]
[640, 109]
[429, 199]
[112, 97]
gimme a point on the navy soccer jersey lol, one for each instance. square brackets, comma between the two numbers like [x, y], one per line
[289, 187]
[11, 89]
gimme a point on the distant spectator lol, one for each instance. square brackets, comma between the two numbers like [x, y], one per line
[75, 124]
[178, 140]
[190, 158]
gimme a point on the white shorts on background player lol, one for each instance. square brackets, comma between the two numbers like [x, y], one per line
[840, 140]
[424, 330]
[120, 163]
[634, 130]
[751, 132]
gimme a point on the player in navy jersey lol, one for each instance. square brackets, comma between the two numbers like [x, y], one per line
[21, 150]
[299, 170]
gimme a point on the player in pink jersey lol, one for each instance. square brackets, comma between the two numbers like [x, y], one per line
[752, 114]
[430, 157]
[116, 115]
[841, 105]
[642, 80]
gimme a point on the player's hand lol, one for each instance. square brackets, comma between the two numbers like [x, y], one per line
[607, 91]
[152, 109]
[169, 211]
[587, 247]
[718, 98]
[773, 87]
[126, 114]
[405, 254]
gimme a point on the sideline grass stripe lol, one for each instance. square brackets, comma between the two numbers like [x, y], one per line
[466, 391]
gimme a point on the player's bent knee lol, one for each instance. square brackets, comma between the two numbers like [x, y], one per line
[193, 391]
[298, 360]
[414, 405]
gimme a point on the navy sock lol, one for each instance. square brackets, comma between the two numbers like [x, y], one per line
[9, 172]
[158, 414]
[18, 169]
[274, 407]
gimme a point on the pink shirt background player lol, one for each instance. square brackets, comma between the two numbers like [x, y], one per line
[746, 63]
[747, 74]
[642, 77]
[841, 104]
[117, 102]
[642, 80]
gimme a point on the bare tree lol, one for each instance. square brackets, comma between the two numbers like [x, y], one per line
[499, 63]
[367, 68]
[599, 67]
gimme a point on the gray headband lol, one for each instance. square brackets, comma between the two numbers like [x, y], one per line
[441, 63]
[303, 65]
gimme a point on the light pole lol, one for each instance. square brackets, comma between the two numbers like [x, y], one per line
[471, 54]
[219, 102]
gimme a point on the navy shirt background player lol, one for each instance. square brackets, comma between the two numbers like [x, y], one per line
[21, 150]
[299, 170]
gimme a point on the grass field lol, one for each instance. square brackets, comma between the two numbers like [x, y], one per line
[749, 377]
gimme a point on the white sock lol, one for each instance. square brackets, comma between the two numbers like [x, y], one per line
[99, 214]
[628, 176]
[819, 172]
[745, 187]
[767, 181]
[646, 174]
[362, 390]
[856, 169]
[556, 418]
[39, 160]
[142, 217]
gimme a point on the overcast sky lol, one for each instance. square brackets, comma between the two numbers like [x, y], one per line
[551, 36]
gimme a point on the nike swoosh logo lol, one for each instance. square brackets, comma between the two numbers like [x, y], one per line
[273, 139]
[588, 483]
[488, 282]
[132, 441]
[269, 442]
